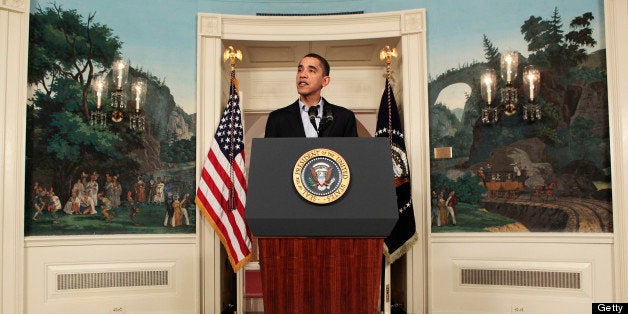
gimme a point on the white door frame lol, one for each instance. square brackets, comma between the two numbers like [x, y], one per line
[14, 15]
[409, 26]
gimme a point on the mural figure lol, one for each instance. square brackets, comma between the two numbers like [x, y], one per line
[133, 209]
[159, 197]
[106, 206]
[139, 188]
[185, 203]
[435, 211]
[451, 203]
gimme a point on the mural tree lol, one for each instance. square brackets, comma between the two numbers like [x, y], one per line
[550, 48]
[65, 51]
[63, 45]
[491, 53]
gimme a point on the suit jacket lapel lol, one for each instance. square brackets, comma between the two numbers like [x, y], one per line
[295, 120]
[326, 131]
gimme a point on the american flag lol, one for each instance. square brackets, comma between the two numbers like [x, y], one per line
[221, 193]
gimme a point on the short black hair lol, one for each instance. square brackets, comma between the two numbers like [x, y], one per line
[322, 60]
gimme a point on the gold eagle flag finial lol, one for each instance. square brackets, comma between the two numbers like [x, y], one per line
[387, 53]
[233, 55]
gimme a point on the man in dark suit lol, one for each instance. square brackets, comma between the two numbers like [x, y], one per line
[311, 115]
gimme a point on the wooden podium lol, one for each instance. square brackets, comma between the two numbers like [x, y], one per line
[321, 275]
[321, 258]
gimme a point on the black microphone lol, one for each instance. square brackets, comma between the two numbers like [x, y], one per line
[327, 119]
[328, 116]
[313, 112]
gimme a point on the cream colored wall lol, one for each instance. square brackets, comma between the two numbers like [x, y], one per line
[265, 89]
[48, 257]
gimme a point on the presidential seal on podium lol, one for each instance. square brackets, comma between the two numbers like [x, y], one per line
[321, 176]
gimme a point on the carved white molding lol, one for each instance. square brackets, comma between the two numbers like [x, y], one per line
[209, 25]
[18, 5]
[119, 239]
[616, 21]
[208, 106]
[317, 28]
[13, 64]
[412, 23]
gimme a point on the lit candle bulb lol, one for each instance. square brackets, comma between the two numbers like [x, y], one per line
[138, 92]
[488, 81]
[120, 69]
[531, 79]
[99, 86]
[98, 95]
[508, 67]
[487, 85]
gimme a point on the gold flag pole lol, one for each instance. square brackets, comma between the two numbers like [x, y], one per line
[386, 55]
[233, 55]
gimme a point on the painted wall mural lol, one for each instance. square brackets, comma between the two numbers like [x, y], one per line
[92, 179]
[548, 175]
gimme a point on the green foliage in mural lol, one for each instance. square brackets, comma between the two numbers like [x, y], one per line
[180, 151]
[62, 44]
[586, 74]
[551, 48]
[443, 125]
[74, 134]
[491, 53]
[579, 142]
[468, 188]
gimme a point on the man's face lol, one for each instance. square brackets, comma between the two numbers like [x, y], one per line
[310, 77]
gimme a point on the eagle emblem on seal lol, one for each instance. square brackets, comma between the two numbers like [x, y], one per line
[321, 176]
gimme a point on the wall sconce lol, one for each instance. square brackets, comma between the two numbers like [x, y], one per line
[509, 97]
[119, 76]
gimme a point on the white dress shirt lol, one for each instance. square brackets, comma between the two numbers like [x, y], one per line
[310, 131]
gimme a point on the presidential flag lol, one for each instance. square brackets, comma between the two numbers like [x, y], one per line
[404, 233]
[221, 193]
